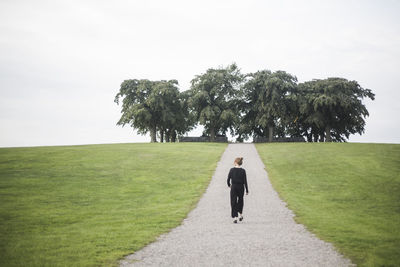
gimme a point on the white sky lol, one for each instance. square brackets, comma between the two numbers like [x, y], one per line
[62, 62]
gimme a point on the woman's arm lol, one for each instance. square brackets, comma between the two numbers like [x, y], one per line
[229, 178]
[245, 181]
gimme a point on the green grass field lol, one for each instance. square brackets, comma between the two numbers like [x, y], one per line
[347, 194]
[91, 205]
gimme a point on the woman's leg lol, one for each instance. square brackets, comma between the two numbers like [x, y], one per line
[240, 200]
[234, 211]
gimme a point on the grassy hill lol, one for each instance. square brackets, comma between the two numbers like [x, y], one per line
[91, 205]
[347, 194]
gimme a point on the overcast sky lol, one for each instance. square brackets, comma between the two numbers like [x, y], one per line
[62, 62]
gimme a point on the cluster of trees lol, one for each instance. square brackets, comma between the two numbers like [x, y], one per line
[264, 104]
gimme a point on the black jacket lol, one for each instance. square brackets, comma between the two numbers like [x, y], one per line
[238, 176]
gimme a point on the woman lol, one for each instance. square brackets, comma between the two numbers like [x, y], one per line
[237, 176]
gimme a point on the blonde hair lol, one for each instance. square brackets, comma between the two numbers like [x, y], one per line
[238, 161]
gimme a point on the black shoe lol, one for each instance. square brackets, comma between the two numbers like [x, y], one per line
[241, 218]
[235, 220]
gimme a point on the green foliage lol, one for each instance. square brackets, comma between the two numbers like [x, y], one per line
[347, 194]
[91, 205]
[319, 109]
[151, 105]
[137, 105]
[184, 120]
[266, 101]
[214, 99]
[332, 107]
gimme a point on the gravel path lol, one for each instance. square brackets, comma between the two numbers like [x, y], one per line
[268, 235]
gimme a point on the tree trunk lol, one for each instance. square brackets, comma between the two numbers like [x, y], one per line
[173, 136]
[309, 138]
[315, 137]
[153, 134]
[328, 134]
[212, 134]
[161, 136]
[270, 133]
[322, 137]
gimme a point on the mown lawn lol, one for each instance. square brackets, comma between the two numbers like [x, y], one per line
[91, 205]
[347, 194]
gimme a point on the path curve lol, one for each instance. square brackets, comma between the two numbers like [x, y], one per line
[268, 235]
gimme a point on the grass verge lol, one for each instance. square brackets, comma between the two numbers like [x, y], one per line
[347, 194]
[91, 205]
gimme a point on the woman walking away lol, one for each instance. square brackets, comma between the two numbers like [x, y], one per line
[237, 176]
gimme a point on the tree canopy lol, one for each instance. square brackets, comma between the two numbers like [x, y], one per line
[332, 108]
[213, 99]
[149, 106]
[266, 102]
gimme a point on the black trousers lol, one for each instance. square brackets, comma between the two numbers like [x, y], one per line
[237, 192]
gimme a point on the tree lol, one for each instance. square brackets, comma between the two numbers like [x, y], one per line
[166, 96]
[332, 108]
[137, 110]
[176, 118]
[185, 118]
[266, 102]
[149, 105]
[213, 99]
